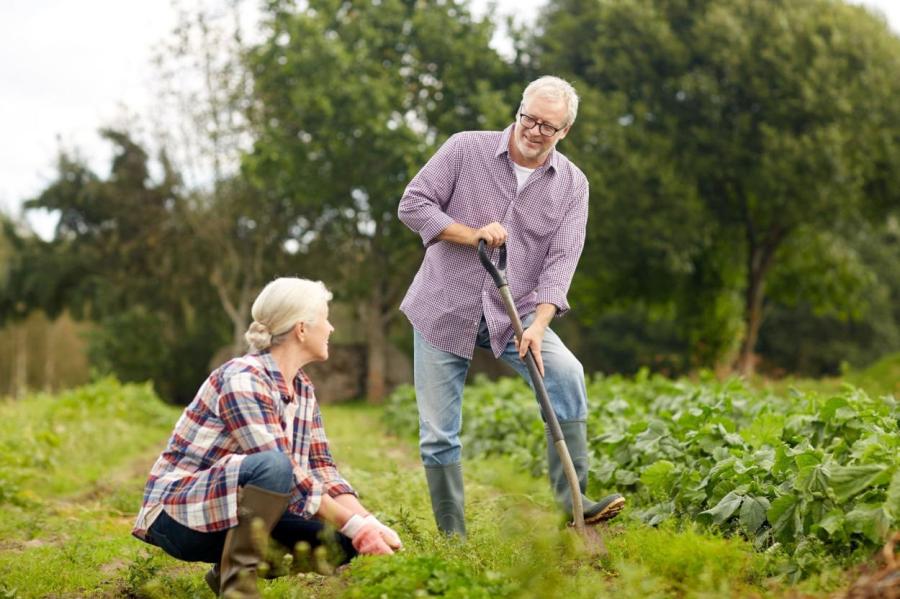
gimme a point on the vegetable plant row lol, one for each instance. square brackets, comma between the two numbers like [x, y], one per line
[806, 475]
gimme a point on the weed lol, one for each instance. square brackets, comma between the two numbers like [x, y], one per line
[142, 569]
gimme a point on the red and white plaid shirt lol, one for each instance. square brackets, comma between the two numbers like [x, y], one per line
[471, 180]
[243, 407]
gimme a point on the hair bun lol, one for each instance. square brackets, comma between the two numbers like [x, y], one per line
[258, 336]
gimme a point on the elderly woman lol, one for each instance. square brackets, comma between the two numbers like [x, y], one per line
[250, 448]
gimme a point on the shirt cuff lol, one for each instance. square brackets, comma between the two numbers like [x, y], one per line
[555, 296]
[312, 500]
[307, 493]
[433, 227]
[339, 488]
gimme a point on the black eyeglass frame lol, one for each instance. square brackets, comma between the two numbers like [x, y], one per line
[539, 125]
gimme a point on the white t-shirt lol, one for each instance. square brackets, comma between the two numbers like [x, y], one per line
[522, 175]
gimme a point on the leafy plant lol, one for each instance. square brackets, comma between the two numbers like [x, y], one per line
[805, 474]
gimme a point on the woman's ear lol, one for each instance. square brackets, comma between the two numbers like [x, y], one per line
[300, 331]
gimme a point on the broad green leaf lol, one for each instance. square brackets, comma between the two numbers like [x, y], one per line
[765, 458]
[871, 521]
[785, 518]
[832, 522]
[847, 481]
[831, 407]
[723, 510]
[765, 429]
[753, 513]
[610, 437]
[806, 459]
[892, 503]
[626, 478]
[812, 479]
[658, 478]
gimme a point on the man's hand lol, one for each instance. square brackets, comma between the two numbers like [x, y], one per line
[532, 338]
[494, 234]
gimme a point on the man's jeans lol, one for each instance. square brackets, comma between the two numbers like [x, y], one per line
[270, 470]
[440, 376]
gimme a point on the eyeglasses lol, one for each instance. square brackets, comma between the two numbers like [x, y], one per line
[546, 130]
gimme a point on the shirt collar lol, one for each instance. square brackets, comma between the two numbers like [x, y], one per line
[272, 370]
[503, 148]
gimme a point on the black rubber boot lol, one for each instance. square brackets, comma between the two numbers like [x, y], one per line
[575, 434]
[445, 484]
[213, 579]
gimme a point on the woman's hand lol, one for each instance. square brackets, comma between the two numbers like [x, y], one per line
[366, 535]
[389, 535]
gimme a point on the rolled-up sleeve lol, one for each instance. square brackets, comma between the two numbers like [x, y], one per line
[422, 207]
[247, 410]
[563, 254]
[320, 461]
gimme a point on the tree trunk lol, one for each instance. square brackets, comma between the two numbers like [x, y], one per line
[237, 314]
[752, 318]
[20, 355]
[760, 260]
[376, 348]
[50, 355]
[240, 324]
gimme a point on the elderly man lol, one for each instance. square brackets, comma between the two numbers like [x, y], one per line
[510, 187]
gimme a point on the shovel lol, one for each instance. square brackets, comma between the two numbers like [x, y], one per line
[497, 271]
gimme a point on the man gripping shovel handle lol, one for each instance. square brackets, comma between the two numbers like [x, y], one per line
[593, 541]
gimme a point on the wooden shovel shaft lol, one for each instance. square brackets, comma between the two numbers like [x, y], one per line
[547, 410]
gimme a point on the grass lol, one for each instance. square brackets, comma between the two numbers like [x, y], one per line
[66, 517]
[73, 468]
[878, 379]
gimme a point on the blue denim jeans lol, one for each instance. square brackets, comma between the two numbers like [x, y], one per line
[440, 376]
[270, 470]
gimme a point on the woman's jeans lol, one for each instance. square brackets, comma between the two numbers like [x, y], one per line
[270, 470]
[440, 376]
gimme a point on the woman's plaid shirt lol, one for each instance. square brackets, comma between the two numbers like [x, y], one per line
[243, 407]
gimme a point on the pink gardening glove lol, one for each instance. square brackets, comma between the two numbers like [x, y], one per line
[365, 534]
[389, 535]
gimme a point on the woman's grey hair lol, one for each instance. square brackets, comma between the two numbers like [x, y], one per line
[280, 305]
[554, 88]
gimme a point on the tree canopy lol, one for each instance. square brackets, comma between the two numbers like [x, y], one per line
[743, 156]
[727, 132]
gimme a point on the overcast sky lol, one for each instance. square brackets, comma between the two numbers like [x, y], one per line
[68, 68]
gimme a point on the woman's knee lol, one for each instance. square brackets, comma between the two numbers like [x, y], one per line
[270, 470]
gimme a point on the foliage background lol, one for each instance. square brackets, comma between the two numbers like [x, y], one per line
[743, 160]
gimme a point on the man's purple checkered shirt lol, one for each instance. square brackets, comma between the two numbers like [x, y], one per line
[471, 180]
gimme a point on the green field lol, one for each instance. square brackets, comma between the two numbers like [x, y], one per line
[73, 468]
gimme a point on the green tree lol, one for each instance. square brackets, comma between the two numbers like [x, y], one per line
[858, 327]
[237, 232]
[759, 122]
[354, 97]
[120, 257]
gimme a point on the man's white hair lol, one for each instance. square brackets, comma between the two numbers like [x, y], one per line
[554, 88]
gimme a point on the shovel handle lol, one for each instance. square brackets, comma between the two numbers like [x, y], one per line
[498, 273]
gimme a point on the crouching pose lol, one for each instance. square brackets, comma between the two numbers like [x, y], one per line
[250, 450]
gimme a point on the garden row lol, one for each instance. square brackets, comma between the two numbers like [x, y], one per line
[810, 477]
